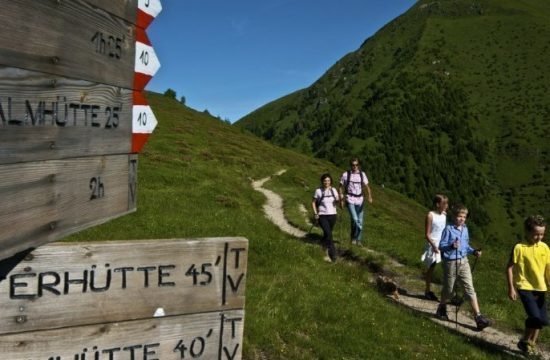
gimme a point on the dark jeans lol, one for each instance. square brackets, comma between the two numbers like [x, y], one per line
[326, 222]
[535, 307]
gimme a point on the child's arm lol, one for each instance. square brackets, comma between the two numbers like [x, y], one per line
[512, 294]
[446, 243]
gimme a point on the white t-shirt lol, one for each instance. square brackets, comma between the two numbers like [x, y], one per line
[326, 207]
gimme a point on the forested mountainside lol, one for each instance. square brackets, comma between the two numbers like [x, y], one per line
[452, 96]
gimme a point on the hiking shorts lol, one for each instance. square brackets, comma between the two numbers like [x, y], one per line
[457, 272]
[535, 307]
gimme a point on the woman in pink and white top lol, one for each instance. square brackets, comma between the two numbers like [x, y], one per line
[323, 204]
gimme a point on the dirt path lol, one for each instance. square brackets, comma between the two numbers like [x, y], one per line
[273, 208]
[465, 325]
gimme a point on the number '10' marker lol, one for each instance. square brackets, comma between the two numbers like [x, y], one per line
[143, 122]
[147, 62]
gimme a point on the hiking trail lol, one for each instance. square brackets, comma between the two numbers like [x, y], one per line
[412, 299]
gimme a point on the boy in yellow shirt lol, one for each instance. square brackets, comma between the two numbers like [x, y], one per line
[526, 275]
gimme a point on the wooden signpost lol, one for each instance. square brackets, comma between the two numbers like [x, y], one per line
[72, 114]
[72, 120]
[151, 299]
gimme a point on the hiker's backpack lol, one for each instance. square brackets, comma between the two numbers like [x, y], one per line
[319, 201]
[348, 175]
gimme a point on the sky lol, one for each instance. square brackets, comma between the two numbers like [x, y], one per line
[230, 57]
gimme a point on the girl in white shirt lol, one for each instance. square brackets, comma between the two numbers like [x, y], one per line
[434, 225]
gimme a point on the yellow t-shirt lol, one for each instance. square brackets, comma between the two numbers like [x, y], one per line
[530, 262]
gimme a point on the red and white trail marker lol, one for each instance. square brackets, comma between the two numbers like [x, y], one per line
[146, 66]
[147, 12]
[147, 63]
[143, 122]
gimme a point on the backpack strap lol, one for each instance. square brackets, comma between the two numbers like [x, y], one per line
[333, 194]
[319, 201]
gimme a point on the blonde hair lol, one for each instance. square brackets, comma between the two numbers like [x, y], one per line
[459, 208]
[532, 221]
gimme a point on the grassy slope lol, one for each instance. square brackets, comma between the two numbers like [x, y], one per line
[194, 181]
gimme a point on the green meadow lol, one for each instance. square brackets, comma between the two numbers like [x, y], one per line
[194, 180]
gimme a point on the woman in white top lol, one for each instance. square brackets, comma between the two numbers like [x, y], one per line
[435, 223]
[323, 204]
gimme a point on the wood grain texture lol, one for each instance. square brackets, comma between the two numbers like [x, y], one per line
[43, 201]
[44, 117]
[198, 336]
[179, 276]
[125, 9]
[67, 38]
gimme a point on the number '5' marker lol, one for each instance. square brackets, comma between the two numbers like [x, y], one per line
[147, 12]
[143, 122]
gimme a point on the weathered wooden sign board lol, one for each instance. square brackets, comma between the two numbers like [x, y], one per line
[70, 39]
[151, 299]
[74, 39]
[216, 335]
[45, 117]
[45, 200]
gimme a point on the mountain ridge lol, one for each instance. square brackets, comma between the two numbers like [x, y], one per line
[447, 82]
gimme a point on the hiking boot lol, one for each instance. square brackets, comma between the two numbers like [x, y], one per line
[482, 322]
[353, 242]
[429, 295]
[441, 312]
[526, 347]
[523, 346]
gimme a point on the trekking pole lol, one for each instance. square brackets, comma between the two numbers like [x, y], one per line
[475, 261]
[456, 293]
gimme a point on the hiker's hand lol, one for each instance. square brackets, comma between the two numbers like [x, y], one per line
[512, 294]
[456, 243]
[477, 253]
[316, 216]
[435, 249]
[369, 199]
